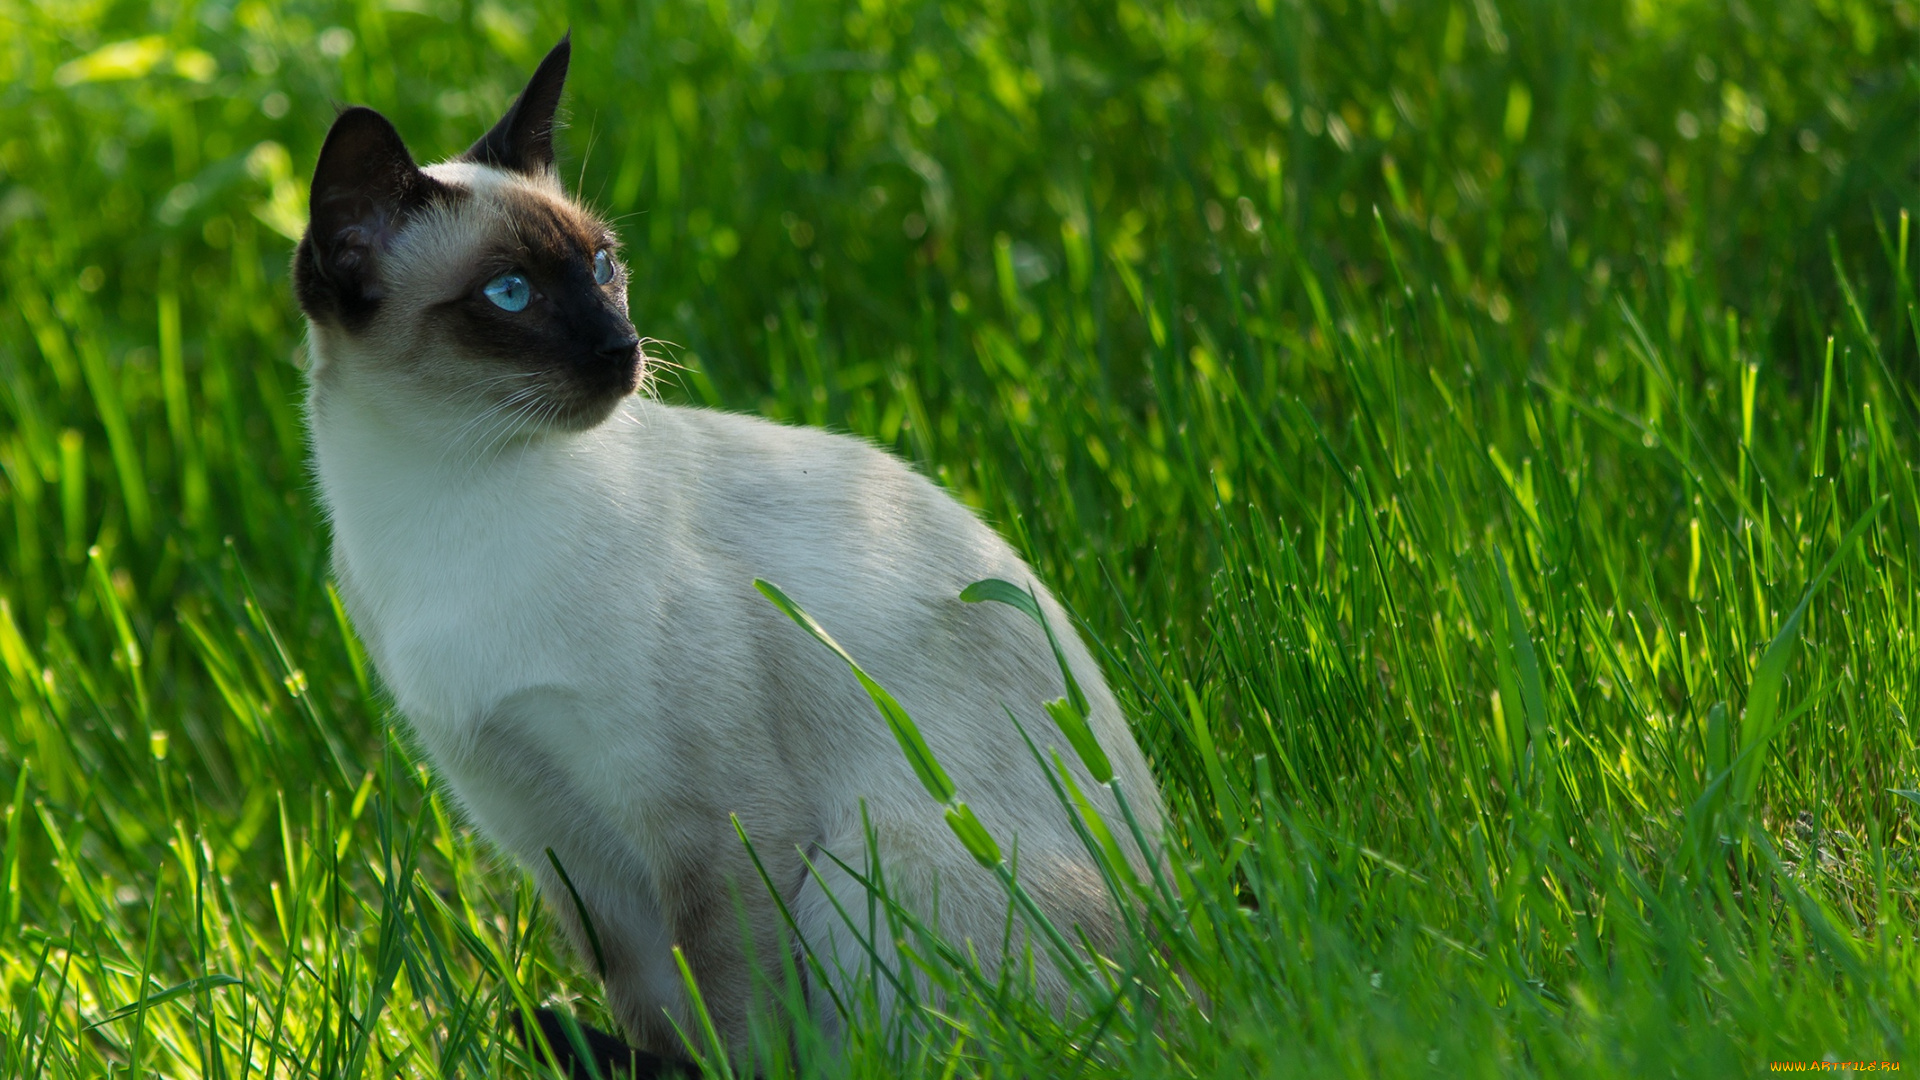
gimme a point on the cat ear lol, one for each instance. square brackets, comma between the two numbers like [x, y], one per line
[363, 189]
[523, 139]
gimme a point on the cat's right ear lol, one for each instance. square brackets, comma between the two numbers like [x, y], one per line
[364, 188]
[523, 139]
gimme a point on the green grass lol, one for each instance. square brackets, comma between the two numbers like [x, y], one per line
[1481, 436]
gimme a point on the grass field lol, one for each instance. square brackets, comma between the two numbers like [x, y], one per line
[1480, 435]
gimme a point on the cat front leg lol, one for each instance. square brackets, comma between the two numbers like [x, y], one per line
[728, 927]
[629, 947]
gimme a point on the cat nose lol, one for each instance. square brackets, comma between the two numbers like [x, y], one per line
[618, 347]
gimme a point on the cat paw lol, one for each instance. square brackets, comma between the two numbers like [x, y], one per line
[595, 1053]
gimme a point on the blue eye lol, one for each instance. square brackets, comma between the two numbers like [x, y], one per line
[602, 267]
[509, 292]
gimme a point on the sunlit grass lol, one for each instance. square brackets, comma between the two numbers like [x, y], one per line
[1437, 414]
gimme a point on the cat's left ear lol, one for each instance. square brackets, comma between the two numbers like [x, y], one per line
[365, 187]
[523, 139]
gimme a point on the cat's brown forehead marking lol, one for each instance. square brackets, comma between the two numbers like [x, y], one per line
[550, 228]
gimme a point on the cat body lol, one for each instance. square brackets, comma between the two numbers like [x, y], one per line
[554, 579]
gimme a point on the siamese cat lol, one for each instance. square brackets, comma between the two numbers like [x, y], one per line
[554, 576]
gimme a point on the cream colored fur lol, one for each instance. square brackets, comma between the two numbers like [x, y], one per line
[568, 622]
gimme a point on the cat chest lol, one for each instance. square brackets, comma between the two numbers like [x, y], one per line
[534, 704]
[458, 620]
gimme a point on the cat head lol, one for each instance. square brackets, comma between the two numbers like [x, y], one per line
[468, 289]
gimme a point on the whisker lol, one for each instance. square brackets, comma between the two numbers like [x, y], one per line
[510, 401]
[489, 423]
[478, 389]
[500, 436]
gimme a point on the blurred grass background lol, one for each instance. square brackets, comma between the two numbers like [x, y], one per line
[1437, 411]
